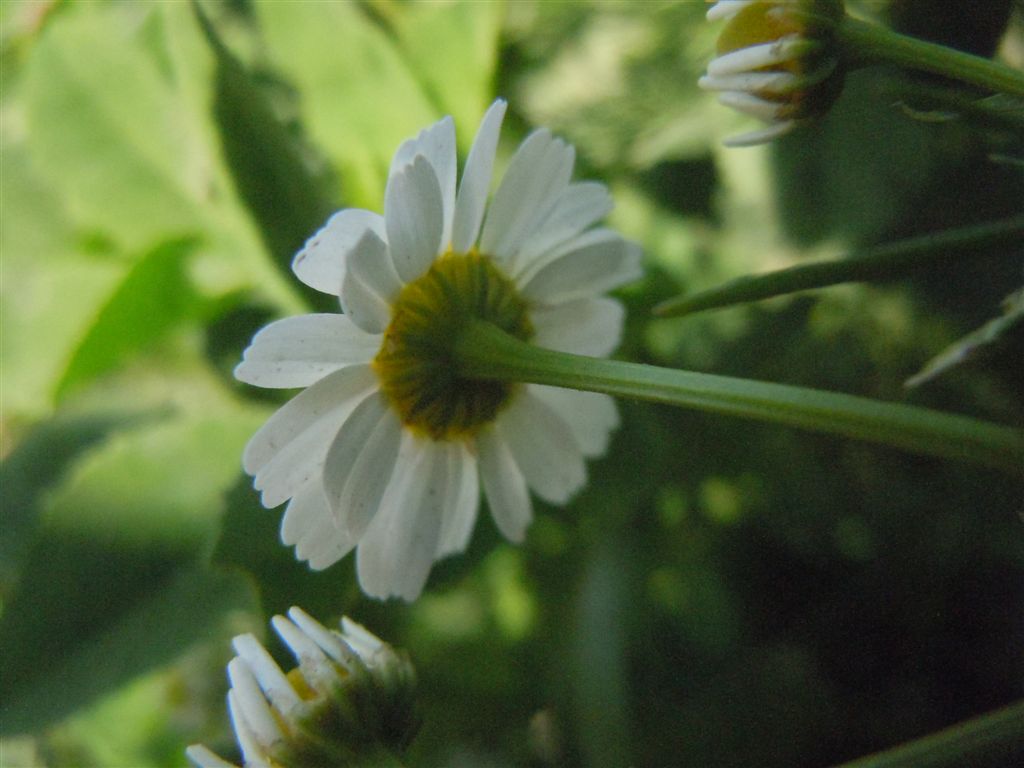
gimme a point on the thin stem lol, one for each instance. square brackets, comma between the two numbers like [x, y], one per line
[882, 262]
[996, 738]
[866, 43]
[486, 352]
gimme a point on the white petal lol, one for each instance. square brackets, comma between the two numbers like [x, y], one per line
[590, 415]
[304, 512]
[360, 462]
[755, 106]
[536, 177]
[414, 216]
[757, 56]
[580, 205]
[476, 179]
[327, 640]
[370, 284]
[437, 145]
[726, 8]
[591, 326]
[543, 447]
[524, 271]
[202, 757]
[316, 536]
[299, 351]
[360, 639]
[592, 269]
[761, 136]
[317, 669]
[395, 555]
[773, 82]
[253, 755]
[290, 448]
[321, 262]
[256, 679]
[462, 499]
[503, 483]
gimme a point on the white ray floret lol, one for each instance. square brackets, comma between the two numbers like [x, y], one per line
[360, 467]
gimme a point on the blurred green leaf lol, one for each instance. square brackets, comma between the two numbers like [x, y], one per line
[619, 79]
[38, 462]
[452, 48]
[117, 548]
[286, 199]
[117, 99]
[360, 97]
[51, 289]
[179, 610]
[107, 128]
[154, 296]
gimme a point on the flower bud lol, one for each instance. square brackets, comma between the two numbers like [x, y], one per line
[777, 61]
[350, 700]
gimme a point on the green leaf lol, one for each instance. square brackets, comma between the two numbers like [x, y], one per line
[51, 289]
[154, 296]
[286, 199]
[38, 462]
[453, 49]
[184, 607]
[134, 516]
[106, 126]
[360, 97]
[116, 101]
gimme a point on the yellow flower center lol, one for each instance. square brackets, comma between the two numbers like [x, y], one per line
[417, 370]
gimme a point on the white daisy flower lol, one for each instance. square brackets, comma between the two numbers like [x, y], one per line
[387, 448]
[351, 697]
[776, 61]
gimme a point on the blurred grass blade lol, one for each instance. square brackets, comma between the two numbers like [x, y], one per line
[972, 345]
[288, 201]
[883, 262]
[992, 740]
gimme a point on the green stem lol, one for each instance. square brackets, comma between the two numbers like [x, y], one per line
[866, 43]
[882, 262]
[996, 738]
[484, 351]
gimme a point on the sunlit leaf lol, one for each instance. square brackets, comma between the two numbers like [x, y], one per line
[51, 289]
[116, 103]
[452, 49]
[360, 98]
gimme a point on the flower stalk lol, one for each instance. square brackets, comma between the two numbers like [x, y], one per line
[994, 738]
[864, 44]
[887, 261]
[485, 352]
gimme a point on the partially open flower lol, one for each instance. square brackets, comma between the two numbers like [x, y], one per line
[388, 447]
[777, 60]
[349, 702]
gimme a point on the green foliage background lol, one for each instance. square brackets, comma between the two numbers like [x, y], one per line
[720, 594]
